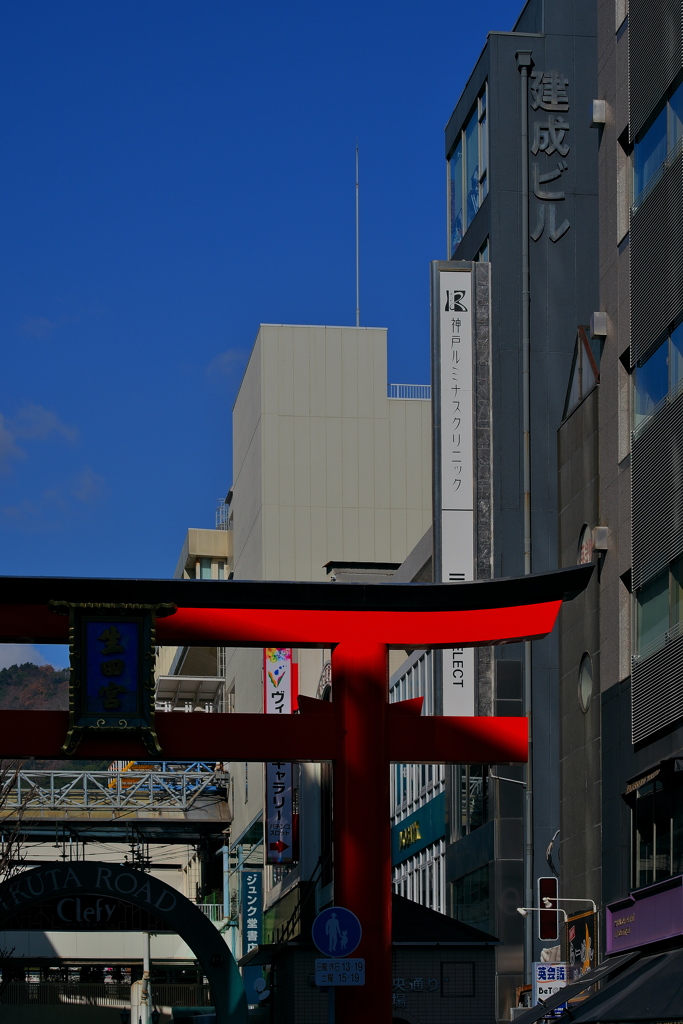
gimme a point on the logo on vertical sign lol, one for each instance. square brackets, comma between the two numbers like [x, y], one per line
[279, 696]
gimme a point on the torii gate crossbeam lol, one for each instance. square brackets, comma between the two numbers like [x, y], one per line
[360, 731]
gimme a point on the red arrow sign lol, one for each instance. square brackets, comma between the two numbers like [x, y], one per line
[279, 846]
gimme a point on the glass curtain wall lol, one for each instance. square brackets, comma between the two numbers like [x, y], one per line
[468, 183]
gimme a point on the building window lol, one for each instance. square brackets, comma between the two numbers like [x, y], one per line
[656, 143]
[204, 569]
[471, 898]
[659, 610]
[483, 254]
[472, 789]
[658, 377]
[585, 682]
[468, 183]
[455, 190]
[471, 169]
[657, 831]
[457, 979]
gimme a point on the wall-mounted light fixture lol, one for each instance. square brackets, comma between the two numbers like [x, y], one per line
[552, 904]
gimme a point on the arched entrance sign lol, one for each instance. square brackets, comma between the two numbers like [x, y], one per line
[92, 878]
[359, 730]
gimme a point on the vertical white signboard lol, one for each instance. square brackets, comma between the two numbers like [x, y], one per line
[279, 813]
[456, 428]
[279, 698]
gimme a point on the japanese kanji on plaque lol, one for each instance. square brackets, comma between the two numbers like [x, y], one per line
[112, 655]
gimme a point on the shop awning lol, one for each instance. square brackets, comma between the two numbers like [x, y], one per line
[611, 967]
[650, 990]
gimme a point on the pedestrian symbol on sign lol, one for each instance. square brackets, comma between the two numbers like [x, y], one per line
[336, 931]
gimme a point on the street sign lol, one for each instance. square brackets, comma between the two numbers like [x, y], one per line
[336, 932]
[547, 979]
[339, 972]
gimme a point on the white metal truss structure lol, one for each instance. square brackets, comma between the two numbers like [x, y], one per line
[146, 786]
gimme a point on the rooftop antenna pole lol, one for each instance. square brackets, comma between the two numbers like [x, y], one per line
[357, 249]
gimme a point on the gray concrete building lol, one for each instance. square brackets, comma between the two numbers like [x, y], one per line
[522, 194]
[621, 488]
[331, 467]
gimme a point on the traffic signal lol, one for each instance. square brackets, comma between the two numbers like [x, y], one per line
[547, 919]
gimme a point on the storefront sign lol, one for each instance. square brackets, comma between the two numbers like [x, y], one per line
[419, 830]
[279, 813]
[452, 361]
[642, 781]
[279, 696]
[252, 910]
[582, 954]
[648, 915]
[111, 684]
[547, 979]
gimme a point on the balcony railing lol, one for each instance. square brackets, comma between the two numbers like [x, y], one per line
[419, 392]
[657, 644]
[214, 911]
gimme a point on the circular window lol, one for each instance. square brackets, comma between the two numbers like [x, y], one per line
[585, 682]
[585, 554]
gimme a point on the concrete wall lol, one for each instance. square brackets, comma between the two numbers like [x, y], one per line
[325, 467]
[580, 727]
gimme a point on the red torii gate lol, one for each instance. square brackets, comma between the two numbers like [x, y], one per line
[359, 731]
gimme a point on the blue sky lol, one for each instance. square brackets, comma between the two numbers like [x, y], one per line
[174, 174]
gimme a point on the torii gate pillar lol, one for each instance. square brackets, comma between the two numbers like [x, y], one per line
[362, 839]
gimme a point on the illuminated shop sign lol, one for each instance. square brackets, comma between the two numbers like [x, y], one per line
[419, 830]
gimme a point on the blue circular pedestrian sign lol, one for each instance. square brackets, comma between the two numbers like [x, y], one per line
[336, 931]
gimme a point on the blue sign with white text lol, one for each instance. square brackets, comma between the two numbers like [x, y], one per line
[252, 910]
[336, 931]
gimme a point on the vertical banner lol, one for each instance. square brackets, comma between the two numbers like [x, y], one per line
[279, 698]
[279, 681]
[279, 813]
[252, 910]
[453, 403]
